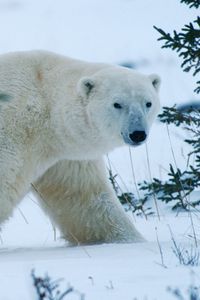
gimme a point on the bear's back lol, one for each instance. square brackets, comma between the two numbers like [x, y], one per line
[25, 70]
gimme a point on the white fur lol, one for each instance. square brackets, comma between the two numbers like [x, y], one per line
[57, 124]
[80, 201]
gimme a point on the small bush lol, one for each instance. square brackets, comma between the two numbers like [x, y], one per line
[48, 289]
[193, 293]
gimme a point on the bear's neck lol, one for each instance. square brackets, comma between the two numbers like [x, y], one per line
[78, 138]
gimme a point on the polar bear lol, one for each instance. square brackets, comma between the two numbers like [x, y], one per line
[58, 117]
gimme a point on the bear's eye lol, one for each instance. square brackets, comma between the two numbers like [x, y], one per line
[117, 105]
[148, 104]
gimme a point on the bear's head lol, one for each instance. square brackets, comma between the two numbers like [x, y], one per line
[121, 104]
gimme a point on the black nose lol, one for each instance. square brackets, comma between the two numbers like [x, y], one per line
[138, 136]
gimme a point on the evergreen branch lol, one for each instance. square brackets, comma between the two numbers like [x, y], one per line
[192, 3]
[187, 44]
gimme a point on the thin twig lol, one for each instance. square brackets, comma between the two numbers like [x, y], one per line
[134, 181]
[133, 174]
[23, 216]
[54, 233]
[189, 204]
[118, 186]
[185, 257]
[149, 169]
[79, 244]
[1, 239]
[111, 165]
[160, 250]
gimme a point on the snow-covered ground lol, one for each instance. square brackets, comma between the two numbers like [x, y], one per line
[115, 31]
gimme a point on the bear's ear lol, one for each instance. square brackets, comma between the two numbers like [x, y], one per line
[85, 86]
[156, 81]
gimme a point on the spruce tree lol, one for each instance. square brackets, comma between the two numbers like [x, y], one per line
[181, 183]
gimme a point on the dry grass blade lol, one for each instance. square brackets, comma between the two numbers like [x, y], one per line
[150, 176]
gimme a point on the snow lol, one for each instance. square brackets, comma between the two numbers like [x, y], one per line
[115, 31]
[132, 270]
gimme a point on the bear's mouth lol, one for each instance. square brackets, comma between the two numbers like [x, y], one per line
[133, 144]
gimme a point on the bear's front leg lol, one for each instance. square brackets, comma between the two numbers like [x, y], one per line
[13, 181]
[80, 201]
